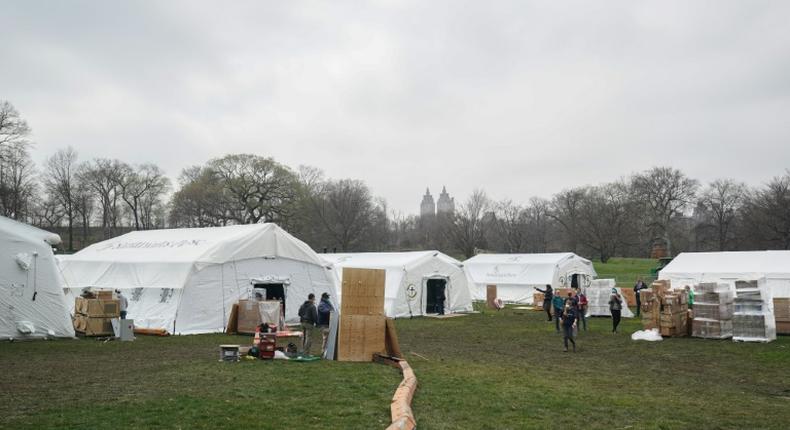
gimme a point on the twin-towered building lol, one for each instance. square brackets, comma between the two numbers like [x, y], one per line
[445, 204]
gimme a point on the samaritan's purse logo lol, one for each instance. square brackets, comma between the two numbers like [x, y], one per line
[411, 292]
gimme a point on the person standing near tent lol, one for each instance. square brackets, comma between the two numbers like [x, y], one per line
[568, 325]
[123, 303]
[640, 285]
[615, 307]
[548, 294]
[582, 300]
[690, 292]
[308, 316]
[325, 309]
[559, 304]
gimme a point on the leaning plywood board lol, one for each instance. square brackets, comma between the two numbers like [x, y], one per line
[363, 292]
[361, 336]
[362, 321]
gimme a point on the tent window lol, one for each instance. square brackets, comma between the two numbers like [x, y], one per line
[272, 292]
[435, 296]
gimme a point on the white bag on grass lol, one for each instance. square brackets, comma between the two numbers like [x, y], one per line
[649, 335]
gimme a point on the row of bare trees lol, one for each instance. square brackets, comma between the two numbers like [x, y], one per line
[630, 217]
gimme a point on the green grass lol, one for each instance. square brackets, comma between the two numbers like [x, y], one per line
[494, 370]
[626, 270]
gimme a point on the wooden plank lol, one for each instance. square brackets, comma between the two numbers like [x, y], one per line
[391, 340]
[491, 296]
[233, 321]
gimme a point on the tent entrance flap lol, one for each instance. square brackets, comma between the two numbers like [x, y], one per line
[435, 295]
[575, 281]
[270, 291]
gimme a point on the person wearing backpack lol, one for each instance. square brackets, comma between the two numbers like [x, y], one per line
[615, 307]
[308, 317]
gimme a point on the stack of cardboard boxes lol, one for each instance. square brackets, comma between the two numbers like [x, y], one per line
[674, 318]
[753, 319]
[713, 311]
[665, 309]
[782, 315]
[93, 316]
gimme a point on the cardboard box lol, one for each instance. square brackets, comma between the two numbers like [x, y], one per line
[629, 296]
[97, 307]
[537, 299]
[103, 294]
[93, 326]
[782, 309]
[660, 287]
[711, 329]
[249, 315]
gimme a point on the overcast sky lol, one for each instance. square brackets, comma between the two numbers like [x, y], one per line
[519, 98]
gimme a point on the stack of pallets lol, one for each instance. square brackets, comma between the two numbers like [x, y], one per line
[93, 316]
[713, 311]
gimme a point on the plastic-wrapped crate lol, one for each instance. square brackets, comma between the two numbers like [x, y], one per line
[753, 320]
[713, 311]
[711, 329]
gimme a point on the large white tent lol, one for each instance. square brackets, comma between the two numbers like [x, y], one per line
[32, 304]
[413, 280]
[186, 280]
[516, 275]
[690, 268]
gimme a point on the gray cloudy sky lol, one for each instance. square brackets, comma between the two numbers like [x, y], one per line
[519, 98]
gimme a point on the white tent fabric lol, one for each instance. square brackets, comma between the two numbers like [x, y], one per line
[32, 304]
[691, 268]
[516, 275]
[186, 280]
[407, 275]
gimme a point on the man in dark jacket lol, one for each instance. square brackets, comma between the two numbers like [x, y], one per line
[308, 316]
[325, 309]
[548, 295]
[640, 285]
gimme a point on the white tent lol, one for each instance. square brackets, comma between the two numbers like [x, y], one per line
[32, 304]
[691, 268]
[413, 280]
[186, 280]
[516, 275]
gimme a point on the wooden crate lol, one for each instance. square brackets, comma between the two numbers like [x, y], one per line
[362, 322]
[97, 307]
[491, 296]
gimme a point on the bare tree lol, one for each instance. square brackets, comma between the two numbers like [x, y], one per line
[566, 212]
[721, 201]
[200, 200]
[261, 188]
[346, 211]
[141, 189]
[467, 231]
[511, 226]
[84, 205]
[60, 182]
[17, 183]
[665, 192]
[606, 219]
[767, 214]
[102, 177]
[539, 224]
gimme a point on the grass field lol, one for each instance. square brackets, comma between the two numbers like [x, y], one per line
[626, 270]
[494, 370]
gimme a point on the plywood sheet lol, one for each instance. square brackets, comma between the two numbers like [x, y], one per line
[360, 337]
[363, 291]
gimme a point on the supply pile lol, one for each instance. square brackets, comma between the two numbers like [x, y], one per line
[94, 312]
[753, 320]
[665, 309]
[713, 311]
[782, 315]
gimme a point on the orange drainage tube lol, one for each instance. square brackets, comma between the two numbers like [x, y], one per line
[402, 415]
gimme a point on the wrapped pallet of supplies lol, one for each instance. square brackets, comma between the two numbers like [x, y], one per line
[713, 311]
[598, 294]
[753, 318]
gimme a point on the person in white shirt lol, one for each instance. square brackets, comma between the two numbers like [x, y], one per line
[124, 302]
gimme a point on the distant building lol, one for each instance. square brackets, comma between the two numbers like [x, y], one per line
[446, 204]
[427, 207]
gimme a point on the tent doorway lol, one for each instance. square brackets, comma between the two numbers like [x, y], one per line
[272, 291]
[435, 296]
[575, 281]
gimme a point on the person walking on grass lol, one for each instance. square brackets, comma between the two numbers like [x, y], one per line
[569, 318]
[559, 304]
[640, 285]
[308, 316]
[325, 309]
[123, 303]
[615, 307]
[548, 294]
[690, 292]
[582, 301]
